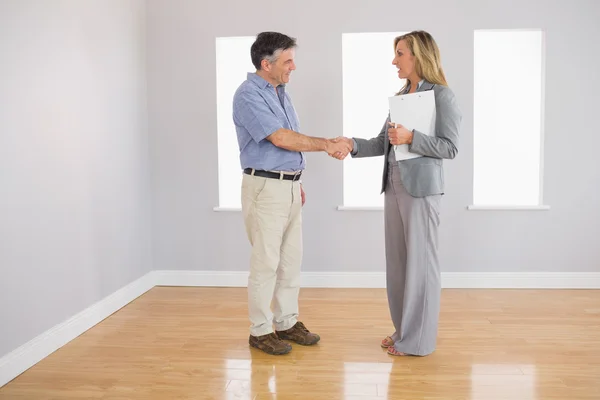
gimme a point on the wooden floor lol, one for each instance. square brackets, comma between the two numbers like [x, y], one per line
[192, 343]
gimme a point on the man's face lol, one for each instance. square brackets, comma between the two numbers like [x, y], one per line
[280, 70]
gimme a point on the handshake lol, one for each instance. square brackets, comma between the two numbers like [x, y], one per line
[339, 147]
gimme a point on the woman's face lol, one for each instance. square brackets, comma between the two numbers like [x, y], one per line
[404, 60]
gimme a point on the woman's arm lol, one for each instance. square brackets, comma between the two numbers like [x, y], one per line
[448, 118]
[370, 147]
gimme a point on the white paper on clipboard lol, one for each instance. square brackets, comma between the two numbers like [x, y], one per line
[413, 111]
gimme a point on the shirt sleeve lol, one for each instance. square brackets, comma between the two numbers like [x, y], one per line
[253, 113]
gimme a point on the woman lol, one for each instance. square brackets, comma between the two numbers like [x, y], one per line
[413, 190]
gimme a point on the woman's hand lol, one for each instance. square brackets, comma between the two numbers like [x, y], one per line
[349, 147]
[398, 134]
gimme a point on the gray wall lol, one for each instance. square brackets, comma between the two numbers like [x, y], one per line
[74, 182]
[181, 70]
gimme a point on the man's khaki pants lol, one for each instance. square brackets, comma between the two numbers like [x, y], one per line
[272, 210]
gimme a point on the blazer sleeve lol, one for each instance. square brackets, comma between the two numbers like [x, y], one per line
[448, 119]
[371, 147]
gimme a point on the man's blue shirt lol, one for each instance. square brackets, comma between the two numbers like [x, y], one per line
[258, 111]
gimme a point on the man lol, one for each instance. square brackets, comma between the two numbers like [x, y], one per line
[271, 156]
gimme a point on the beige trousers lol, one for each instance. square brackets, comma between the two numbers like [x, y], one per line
[272, 210]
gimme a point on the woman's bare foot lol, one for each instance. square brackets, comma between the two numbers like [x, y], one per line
[392, 351]
[387, 342]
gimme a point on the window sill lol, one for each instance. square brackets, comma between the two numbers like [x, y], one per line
[227, 209]
[352, 208]
[473, 207]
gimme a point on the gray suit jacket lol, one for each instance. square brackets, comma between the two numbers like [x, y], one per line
[422, 176]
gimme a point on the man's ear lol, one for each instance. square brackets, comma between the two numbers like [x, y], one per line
[265, 65]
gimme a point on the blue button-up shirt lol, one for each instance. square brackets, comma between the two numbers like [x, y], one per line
[258, 111]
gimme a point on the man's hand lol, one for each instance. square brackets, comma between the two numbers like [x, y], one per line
[302, 194]
[398, 134]
[348, 147]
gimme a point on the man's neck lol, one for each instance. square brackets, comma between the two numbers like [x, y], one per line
[266, 77]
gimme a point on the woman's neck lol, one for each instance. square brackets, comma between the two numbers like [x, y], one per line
[414, 83]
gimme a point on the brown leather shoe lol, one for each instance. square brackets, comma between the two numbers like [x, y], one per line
[270, 344]
[299, 334]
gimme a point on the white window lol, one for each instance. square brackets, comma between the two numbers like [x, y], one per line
[233, 65]
[369, 79]
[508, 114]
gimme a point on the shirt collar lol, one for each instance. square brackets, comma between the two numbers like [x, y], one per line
[418, 85]
[260, 81]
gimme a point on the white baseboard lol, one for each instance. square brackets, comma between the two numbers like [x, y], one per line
[521, 280]
[471, 280]
[24, 357]
[202, 278]
[19, 360]
[240, 279]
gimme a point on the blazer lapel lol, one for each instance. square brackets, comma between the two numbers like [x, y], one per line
[425, 86]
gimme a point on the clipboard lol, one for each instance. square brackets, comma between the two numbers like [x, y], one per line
[414, 111]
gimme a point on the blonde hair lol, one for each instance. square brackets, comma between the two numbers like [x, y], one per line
[428, 63]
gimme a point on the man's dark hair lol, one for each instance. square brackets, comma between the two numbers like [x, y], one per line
[267, 43]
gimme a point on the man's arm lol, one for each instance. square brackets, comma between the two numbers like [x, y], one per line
[253, 113]
[294, 141]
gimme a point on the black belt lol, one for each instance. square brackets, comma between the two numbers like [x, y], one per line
[274, 175]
